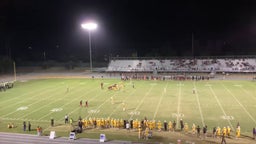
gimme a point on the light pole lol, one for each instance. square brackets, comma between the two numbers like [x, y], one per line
[90, 26]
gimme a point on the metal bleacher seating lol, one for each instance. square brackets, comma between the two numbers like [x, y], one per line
[184, 65]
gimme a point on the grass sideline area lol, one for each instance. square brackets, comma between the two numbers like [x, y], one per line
[215, 103]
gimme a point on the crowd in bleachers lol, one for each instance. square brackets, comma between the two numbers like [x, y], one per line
[145, 76]
[184, 65]
[5, 85]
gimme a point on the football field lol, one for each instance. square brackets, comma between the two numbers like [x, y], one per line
[214, 103]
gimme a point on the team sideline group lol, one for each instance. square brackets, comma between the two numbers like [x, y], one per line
[146, 127]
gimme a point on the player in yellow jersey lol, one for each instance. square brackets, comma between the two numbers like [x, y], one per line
[112, 123]
[159, 125]
[193, 128]
[118, 123]
[146, 123]
[228, 131]
[9, 126]
[153, 124]
[237, 132]
[85, 123]
[186, 127]
[135, 126]
[115, 123]
[98, 123]
[218, 132]
[170, 126]
[124, 107]
[224, 131]
[102, 123]
[112, 100]
[146, 133]
[140, 132]
[150, 125]
[121, 122]
[106, 122]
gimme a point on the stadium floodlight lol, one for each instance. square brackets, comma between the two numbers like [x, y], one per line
[90, 26]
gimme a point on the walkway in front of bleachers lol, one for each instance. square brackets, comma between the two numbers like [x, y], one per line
[14, 138]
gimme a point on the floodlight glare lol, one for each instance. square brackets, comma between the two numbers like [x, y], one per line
[89, 26]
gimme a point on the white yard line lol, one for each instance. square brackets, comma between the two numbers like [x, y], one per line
[36, 94]
[248, 93]
[221, 107]
[121, 104]
[53, 101]
[178, 106]
[142, 100]
[239, 103]
[108, 99]
[66, 95]
[160, 101]
[199, 105]
[76, 99]
[90, 100]
[38, 101]
[24, 94]
[89, 115]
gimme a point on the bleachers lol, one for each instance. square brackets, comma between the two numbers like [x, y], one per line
[184, 65]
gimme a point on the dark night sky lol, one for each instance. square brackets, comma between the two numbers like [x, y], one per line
[146, 27]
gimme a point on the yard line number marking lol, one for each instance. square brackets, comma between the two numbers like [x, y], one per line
[159, 102]
[239, 103]
[225, 115]
[117, 108]
[22, 108]
[142, 100]
[38, 101]
[77, 90]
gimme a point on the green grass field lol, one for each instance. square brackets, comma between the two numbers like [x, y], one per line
[216, 102]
